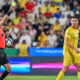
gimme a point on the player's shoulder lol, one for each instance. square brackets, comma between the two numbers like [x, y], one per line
[68, 29]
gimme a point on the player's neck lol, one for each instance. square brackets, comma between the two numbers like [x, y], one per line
[74, 27]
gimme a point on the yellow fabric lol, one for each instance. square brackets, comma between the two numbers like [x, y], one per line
[70, 56]
[68, 61]
[16, 21]
[58, 0]
[53, 9]
[78, 75]
[42, 39]
[23, 50]
[60, 75]
[73, 59]
[8, 27]
[57, 27]
[44, 9]
[73, 35]
[22, 3]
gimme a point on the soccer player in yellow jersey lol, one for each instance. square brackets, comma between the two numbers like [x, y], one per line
[70, 50]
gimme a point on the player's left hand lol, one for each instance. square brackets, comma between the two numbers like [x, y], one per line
[77, 51]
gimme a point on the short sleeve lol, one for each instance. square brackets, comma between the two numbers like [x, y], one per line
[68, 34]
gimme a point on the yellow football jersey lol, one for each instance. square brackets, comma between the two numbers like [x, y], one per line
[58, 0]
[23, 51]
[54, 9]
[16, 20]
[44, 9]
[56, 27]
[73, 35]
[42, 39]
[22, 3]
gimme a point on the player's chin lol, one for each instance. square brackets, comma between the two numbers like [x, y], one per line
[75, 26]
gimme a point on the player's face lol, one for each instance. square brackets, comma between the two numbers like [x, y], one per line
[74, 22]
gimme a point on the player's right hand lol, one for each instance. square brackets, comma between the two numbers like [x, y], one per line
[77, 50]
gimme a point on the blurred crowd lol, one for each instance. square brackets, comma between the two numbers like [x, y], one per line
[39, 23]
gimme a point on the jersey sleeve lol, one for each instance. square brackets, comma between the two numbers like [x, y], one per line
[68, 33]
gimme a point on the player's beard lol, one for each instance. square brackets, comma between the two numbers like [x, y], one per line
[75, 26]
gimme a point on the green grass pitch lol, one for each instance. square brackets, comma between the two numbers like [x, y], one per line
[39, 78]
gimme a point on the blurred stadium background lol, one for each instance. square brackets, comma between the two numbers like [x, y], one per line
[37, 29]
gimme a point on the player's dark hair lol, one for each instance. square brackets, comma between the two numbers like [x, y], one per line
[75, 17]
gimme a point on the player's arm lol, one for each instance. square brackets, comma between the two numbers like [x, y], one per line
[5, 18]
[71, 46]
